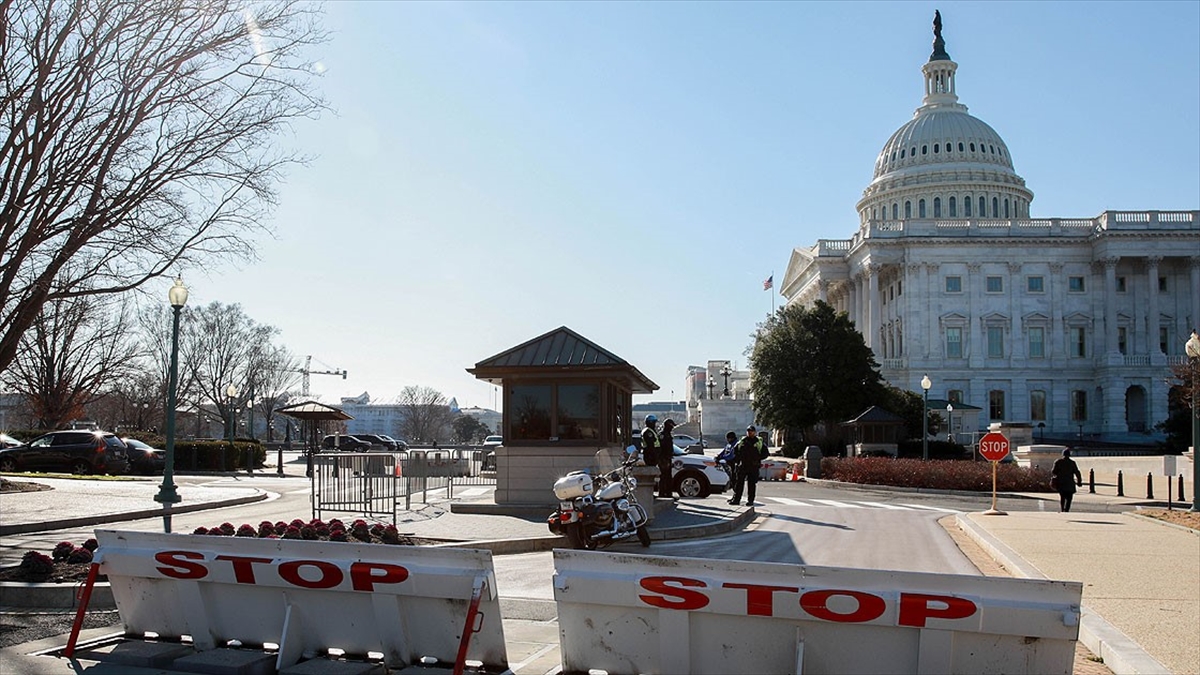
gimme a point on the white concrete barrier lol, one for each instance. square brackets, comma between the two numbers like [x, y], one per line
[624, 613]
[406, 602]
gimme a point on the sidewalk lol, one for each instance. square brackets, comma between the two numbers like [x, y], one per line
[1141, 578]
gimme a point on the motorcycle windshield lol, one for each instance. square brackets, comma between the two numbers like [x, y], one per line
[610, 459]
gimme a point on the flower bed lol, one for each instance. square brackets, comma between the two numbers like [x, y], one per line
[934, 474]
[70, 563]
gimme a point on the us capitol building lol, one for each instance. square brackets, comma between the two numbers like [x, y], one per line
[1070, 323]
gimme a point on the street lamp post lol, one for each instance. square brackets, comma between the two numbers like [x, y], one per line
[251, 455]
[279, 459]
[950, 422]
[726, 372]
[1193, 353]
[231, 393]
[711, 383]
[925, 385]
[167, 494]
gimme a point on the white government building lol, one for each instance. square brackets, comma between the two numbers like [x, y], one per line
[1068, 322]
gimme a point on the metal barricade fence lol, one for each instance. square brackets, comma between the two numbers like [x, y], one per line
[373, 483]
[369, 483]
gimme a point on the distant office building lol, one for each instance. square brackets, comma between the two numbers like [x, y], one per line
[1071, 323]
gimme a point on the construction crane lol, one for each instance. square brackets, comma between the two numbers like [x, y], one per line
[307, 370]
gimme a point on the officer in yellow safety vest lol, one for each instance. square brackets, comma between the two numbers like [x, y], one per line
[650, 441]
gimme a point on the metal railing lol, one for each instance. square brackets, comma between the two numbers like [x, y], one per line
[374, 483]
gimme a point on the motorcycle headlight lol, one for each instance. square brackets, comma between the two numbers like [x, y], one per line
[587, 500]
[632, 482]
[622, 505]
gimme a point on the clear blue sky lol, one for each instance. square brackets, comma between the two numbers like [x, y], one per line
[490, 171]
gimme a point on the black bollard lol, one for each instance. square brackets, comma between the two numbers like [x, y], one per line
[1182, 499]
[1120, 484]
[1149, 485]
[1091, 481]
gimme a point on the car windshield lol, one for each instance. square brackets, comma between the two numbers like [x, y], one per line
[135, 443]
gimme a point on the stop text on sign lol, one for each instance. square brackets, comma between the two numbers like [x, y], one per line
[253, 570]
[993, 446]
[837, 605]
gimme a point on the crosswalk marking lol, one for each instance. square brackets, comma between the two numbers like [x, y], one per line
[833, 502]
[887, 506]
[933, 508]
[858, 505]
[789, 502]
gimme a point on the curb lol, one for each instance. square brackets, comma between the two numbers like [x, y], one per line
[17, 594]
[68, 523]
[1117, 650]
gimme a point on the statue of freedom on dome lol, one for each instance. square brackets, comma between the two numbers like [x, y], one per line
[937, 25]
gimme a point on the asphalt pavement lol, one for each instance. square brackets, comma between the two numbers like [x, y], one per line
[1141, 578]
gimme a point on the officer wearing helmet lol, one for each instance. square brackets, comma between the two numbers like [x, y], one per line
[666, 455]
[650, 441]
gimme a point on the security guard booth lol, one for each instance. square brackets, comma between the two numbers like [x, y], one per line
[565, 399]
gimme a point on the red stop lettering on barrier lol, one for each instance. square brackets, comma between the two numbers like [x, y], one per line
[870, 606]
[685, 598]
[915, 608]
[759, 598]
[363, 577]
[179, 566]
[242, 570]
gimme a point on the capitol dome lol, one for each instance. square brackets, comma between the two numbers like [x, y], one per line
[944, 162]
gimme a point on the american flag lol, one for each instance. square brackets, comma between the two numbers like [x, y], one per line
[768, 283]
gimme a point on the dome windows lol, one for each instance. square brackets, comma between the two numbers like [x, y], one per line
[972, 147]
[995, 207]
[924, 150]
[982, 207]
[936, 147]
[960, 146]
[901, 153]
[895, 211]
[907, 210]
[953, 208]
[966, 206]
[992, 148]
[937, 207]
[913, 152]
[921, 208]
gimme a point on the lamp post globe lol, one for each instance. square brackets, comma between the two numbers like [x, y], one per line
[167, 492]
[1193, 353]
[925, 385]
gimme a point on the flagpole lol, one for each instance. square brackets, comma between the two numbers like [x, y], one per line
[772, 293]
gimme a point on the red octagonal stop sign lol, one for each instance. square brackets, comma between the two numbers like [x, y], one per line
[993, 446]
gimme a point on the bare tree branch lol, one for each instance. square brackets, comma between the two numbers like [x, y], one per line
[137, 137]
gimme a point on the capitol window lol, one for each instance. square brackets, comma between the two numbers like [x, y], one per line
[954, 284]
[982, 208]
[1120, 284]
[1078, 342]
[937, 207]
[996, 404]
[995, 207]
[1079, 405]
[954, 348]
[921, 208]
[960, 149]
[972, 147]
[907, 210]
[1037, 405]
[953, 210]
[967, 207]
[1035, 284]
[936, 147]
[1037, 342]
[995, 342]
[1075, 284]
[924, 149]
[1162, 284]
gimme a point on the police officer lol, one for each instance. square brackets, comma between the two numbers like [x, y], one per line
[650, 441]
[749, 456]
[666, 455]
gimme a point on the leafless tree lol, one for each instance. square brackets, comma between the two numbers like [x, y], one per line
[276, 375]
[220, 346]
[139, 137]
[76, 350]
[426, 415]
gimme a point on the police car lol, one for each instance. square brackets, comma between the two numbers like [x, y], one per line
[695, 476]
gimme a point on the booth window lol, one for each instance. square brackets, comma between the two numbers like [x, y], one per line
[543, 412]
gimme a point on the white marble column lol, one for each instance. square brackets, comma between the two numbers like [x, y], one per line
[929, 283]
[874, 316]
[1056, 349]
[823, 290]
[1194, 268]
[1152, 318]
[976, 347]
[1110, 305]
[852, 301]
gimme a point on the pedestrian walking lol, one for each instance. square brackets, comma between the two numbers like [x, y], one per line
[1064, 477]
[666, 455]
[750, 454]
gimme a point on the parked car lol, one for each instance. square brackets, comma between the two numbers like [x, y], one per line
[689, 442]
[695, 476]
[400, 445]
[79, 452]
[7, 441]
[345, 443]
[489, 452]
[144, 458]
[383, 442]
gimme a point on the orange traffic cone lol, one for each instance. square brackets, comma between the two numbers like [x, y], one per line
[397, 472]
[795, 475]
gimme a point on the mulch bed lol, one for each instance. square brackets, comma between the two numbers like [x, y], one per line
[7, 485]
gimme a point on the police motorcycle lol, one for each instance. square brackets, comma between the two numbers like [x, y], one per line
[596, 510]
